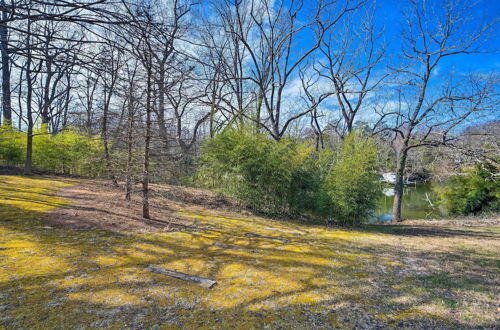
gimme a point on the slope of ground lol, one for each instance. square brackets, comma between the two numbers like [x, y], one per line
[74, 255]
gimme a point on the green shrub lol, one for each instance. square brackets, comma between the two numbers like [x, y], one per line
[265, 175]
[476, 190]
[66, 152]
[351, 188]
[12, 147]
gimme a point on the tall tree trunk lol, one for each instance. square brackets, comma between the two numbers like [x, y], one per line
[147, 140]
[130, 127]
[66, 102]
[28, 164]
[45, 111]
[6, 95]
[161, 108]
[258, 109]
[320, 144]
[29, 136]
[399, 185]
[107, 156]
[213, 109]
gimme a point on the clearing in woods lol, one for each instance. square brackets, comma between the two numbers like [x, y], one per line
[73, 254]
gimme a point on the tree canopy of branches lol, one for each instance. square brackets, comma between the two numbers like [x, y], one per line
[157, 78]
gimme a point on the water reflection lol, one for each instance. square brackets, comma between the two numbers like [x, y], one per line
[419, 202]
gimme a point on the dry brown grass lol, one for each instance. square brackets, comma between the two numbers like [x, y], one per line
[76, 256]
[98, 205]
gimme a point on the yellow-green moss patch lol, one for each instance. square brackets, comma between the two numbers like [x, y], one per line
[323, 277]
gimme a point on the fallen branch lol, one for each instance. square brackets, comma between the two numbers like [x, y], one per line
[204, 282]
[429, 200]
[284, 240]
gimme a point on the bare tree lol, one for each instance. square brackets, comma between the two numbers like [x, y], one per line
[131, 104]
[225, 63]
[425, 113]
[169, 17]
[143, 49]
[86, 96]
[274, 55]
[6, 75]
[55, 51]
[29, 111]
[348, 69]
[182, 98]
[111, 61]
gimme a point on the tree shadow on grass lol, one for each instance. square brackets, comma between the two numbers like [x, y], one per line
[67, 278]
[431, 231]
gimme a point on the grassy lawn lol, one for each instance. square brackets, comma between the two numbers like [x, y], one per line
[379, 276]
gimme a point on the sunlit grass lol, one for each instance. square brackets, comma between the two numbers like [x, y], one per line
[56, 277]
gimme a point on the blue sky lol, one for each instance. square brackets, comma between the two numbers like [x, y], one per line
[389, 16]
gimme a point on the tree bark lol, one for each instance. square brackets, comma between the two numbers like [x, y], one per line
[212, 115]
[29, 142]
[130, 127]
[67, 101]
[105, 138]
[258, 109]
[161, 108]
[6, 95]
[45, 108]
[147, 140]
[28, 164]
[399, 185]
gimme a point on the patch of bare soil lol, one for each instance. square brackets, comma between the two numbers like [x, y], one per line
[97, 205]
[193, 196]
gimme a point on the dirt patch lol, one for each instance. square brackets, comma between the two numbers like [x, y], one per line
[324, 277]
[194, 196]
[96, 205]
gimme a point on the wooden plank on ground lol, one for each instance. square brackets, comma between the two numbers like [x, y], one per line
[204, 282]
[284, 240]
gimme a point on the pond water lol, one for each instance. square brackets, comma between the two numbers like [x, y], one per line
[418, 203]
